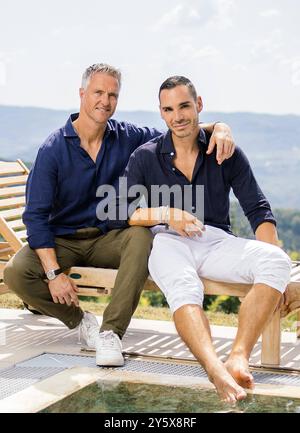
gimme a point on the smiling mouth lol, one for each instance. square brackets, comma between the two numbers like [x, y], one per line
[104, 110]
[181, 125]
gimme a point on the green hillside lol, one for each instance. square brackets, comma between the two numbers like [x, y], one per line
[272, 143]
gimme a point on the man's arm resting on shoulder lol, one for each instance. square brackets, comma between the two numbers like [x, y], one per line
[221, 137]
[63, 290]
[266, 232]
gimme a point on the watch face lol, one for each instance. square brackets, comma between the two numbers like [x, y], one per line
[51, 275]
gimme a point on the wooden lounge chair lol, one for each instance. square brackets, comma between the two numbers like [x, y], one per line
[98, 281]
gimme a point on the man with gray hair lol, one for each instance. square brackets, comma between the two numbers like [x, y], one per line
[60, 216]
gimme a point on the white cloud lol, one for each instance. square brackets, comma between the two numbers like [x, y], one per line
[264, 49]
[296, 73]
[224, 15]
[5, 58]
[239, 67]
[294, 67]
[269, 13]
[198, 13]
[2, 74]
[194, 14]
[208, 52]
[57, 31]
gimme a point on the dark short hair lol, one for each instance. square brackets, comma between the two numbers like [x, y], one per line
[178, 80]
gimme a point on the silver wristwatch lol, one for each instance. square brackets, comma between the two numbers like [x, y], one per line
[52, 274]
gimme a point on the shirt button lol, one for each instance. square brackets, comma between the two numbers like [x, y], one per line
[173, 168]
[172, 153]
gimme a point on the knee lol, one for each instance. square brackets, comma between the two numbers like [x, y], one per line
[140, 237]
[276, 266]
[177, 300]
[20, 267]
[13, 270]
[278, 259]
[8, 272]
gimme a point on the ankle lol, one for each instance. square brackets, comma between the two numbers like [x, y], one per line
[239, 353]
[102, 331]
[215, 368]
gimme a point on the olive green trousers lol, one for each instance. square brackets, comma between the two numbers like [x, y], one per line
[126, 250]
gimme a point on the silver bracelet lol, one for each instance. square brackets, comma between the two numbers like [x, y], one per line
[160, 214]
[167, 216]
[163, 215]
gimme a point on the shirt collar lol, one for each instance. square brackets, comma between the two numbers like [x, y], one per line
[167, 145]
[69, 130]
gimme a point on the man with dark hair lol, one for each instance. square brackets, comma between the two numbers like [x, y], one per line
[198, 241]
[60, 216]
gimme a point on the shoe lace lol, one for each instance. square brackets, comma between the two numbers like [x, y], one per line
[91, 329]
[108, 338]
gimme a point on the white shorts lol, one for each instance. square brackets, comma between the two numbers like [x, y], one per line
[176, 263]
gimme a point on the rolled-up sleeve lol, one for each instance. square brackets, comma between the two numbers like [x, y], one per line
[245, 187]
[40, 194]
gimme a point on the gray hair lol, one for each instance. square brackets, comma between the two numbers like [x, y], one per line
[103, 68]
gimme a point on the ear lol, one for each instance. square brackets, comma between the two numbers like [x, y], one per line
[199, 104]
[81, 92]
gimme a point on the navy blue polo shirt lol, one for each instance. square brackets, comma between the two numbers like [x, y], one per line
[61, 188]
[152, 164]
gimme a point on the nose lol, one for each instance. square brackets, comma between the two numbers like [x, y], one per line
[178, 116]
[105, 99]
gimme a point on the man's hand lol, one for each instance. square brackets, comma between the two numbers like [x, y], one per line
[184, 223]
[291, 301]
[63, 290]
[222, 138]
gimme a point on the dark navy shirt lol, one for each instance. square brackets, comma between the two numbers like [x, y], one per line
[62, 184]
[152, 164]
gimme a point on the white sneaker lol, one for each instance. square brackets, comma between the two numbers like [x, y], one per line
[88, 331]
[109, 350]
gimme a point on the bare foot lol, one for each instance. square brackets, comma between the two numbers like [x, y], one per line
[229, 391]
[238, 367]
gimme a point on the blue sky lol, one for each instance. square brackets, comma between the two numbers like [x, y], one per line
[242, 55]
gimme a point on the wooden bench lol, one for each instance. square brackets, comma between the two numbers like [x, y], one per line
[99, 281]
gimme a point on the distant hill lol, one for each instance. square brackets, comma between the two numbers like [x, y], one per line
[271, 142]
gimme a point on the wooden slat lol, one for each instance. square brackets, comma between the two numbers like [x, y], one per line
[12, 213]
[220, 288]
[6, 251]
[12, 191]
[2, 265]
[6, 255]
[88, 291]
[21, 234]
[9, 235]
[26, 169]
[94, 277]
[4, 289]
[99, 277]
[11, 202]
[16, 224]
[271, 339]
[11, 168]
[13, 180]
[4, 245]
